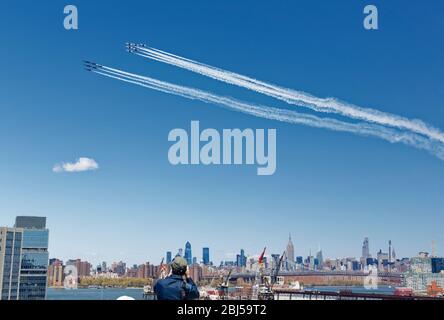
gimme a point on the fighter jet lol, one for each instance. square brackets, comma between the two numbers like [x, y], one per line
[131, 47]
[134, 47]
[89, 66]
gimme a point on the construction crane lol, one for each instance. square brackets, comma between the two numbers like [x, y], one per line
[265, 290]
[277, 269]
[223, 288]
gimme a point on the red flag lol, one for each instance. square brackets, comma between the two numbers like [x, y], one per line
[261, 258]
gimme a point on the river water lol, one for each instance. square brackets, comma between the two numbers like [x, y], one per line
[114, 293]
[93, 294]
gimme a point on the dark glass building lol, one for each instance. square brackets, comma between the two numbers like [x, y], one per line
[168, 257]
[24, 259]
[206, 256]
[188, 255]
[437, 265]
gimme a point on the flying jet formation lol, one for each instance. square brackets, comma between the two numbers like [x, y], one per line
[89, 66]
[134, 47]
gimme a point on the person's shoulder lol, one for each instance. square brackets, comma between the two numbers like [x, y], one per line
[168, 279]
[161, 282]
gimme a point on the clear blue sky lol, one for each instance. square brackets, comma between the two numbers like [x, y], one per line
[330, 188]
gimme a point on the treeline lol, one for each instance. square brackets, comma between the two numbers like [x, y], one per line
[116, 282]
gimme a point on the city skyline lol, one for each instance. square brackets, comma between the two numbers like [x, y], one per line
[91, 154]
[26, 270]
[388, 249]
[289, 250]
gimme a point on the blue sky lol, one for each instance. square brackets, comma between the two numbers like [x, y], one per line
[330, 188]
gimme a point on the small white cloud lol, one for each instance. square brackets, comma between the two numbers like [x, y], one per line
[82, 164]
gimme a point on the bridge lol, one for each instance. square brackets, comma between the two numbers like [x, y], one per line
[320, 277]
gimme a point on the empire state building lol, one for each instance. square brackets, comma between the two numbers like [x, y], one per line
[290, 250]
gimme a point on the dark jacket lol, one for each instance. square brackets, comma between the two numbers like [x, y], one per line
[176, 287]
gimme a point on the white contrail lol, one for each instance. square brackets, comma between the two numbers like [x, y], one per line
[293, 97]
[285, 115]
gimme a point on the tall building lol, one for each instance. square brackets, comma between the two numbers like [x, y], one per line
[168, 257]
[421, 273]
[119, 268]
[195, 271]
[241, 259]
[55, 273]
[206, 256]
[319, 259]
[24, 259]
[365, 252]
[390, 252]
[437, 265]
[104, 268]
[290, 250]
[83, 267]
[275, 260]
[188, 254]
[383, 259]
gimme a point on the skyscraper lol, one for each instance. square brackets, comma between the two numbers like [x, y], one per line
[320, 259]
[241, 259]
[24, 259]
[168, 257]
[188, 255]
[206, 256]
[290, 250]
[390, 251]
[365, 249]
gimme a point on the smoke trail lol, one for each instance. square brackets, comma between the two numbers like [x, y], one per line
[329, 105]
[284, 115]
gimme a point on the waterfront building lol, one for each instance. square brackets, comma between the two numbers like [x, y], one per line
[119, 268]
[24, 259]
[83, 268]
[420, 273]
[55, 273]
